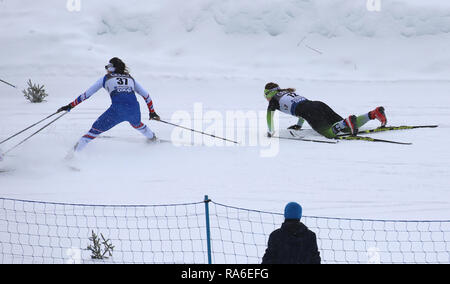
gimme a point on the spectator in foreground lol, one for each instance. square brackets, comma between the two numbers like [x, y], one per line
[293, 243]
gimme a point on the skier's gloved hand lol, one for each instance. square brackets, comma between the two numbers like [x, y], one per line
[154, 116]
[65, 108]
[295, 127]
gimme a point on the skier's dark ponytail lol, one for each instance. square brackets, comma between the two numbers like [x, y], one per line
[272, 85]
[119, 65]
[290, 90]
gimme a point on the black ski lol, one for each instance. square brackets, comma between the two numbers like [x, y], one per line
[391, 128]
[355, 138]
[370, 139]
[304, 139]
[307, 140]
[75, 169]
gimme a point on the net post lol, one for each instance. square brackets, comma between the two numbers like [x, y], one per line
[208, 229]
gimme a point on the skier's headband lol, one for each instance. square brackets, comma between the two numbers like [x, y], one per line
[269, 93]
[110, 67]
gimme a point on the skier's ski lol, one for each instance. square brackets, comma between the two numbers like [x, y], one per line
[135, 140]
[390, 128]
[73, 168]
[304, 139]
[363, 138]
[307, 140]
[140, 140]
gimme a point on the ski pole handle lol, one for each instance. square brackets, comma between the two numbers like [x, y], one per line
[193, 130]
[22, 131]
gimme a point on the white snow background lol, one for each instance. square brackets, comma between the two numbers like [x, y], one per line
[221, 53]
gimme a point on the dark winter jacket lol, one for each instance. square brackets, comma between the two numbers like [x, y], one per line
[293, 243]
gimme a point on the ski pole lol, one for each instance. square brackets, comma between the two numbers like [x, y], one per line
[42, 128]
[9, 138]
[193, 130]
[9, 84]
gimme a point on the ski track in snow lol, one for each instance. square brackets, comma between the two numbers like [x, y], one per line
[349, 179]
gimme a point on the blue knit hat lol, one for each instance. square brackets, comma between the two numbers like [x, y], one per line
[293, 210]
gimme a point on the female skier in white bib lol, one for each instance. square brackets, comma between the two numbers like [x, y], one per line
[318, 114]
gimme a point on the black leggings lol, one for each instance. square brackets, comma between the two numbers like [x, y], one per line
[318, 114]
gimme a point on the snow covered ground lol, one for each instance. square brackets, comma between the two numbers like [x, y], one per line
[207, 58]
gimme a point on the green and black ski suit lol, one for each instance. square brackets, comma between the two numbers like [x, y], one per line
[319, 115]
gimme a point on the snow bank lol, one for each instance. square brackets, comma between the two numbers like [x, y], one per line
[323, 17]
[320, 39]
[275, 17]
